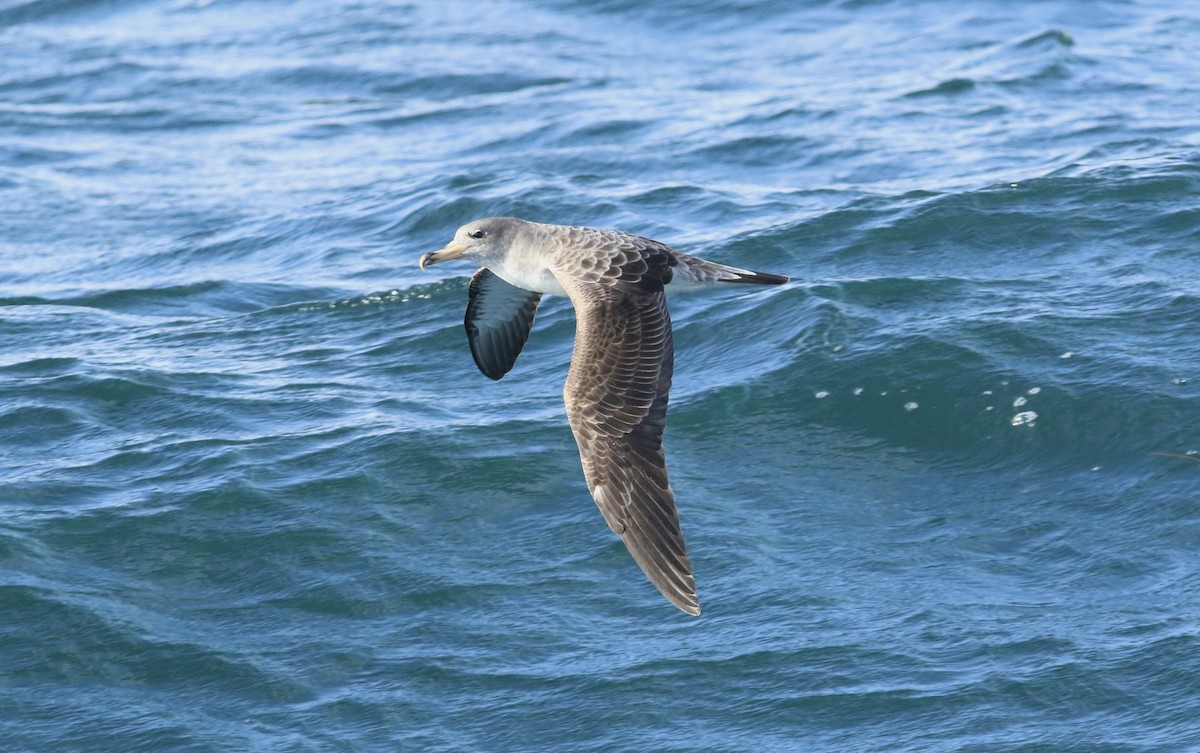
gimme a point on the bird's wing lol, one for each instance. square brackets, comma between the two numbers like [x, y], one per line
[616, 397]
[499, 317]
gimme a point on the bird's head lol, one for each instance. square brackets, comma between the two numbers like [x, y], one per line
[476, 241]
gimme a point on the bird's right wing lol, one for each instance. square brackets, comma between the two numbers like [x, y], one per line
[499, 317]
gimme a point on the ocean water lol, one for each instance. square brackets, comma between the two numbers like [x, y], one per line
[941, 491]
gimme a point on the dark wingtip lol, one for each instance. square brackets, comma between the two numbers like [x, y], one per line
[490, 369]
[683, 599]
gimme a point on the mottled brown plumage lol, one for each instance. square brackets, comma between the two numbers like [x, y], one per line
[617, 388]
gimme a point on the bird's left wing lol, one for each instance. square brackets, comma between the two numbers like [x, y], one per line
[616, 395]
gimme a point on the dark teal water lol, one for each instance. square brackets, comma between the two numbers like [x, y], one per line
[942, 491]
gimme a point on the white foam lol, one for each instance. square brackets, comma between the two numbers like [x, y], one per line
[1024, 418]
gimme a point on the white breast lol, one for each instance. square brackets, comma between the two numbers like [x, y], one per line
[528, 271]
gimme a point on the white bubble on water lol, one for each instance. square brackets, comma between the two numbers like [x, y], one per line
[1033, 390]
[1024, 418]
[1019, 402]
[910, 406]
[858, 390]
[822, 394]
[1068, 354]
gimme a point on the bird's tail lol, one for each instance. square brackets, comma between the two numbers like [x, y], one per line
[733, 274]
[691, 269]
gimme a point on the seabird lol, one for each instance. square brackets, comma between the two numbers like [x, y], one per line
[616, 390]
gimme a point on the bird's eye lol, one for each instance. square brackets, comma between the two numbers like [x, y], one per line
[477, 234]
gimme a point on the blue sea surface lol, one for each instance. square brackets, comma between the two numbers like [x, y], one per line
[941, 491]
